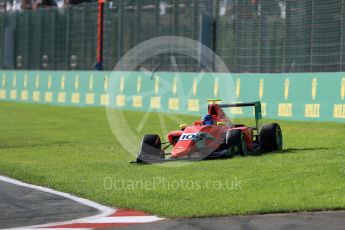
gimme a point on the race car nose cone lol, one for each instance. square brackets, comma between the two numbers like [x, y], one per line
[179, 151]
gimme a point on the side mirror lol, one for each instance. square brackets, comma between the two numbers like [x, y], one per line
[183, 126]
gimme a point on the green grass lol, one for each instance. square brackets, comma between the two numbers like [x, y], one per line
[73, 150]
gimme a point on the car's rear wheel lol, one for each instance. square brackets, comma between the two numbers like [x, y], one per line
[236, 141]
[271, 138]
[151, 149]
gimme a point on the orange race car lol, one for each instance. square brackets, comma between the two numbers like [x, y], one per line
[215, 136]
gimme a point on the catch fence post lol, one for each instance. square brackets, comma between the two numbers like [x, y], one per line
[99, 64]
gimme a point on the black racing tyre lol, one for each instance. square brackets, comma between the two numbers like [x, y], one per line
[271, 138]
[236, 141]
[151, 149]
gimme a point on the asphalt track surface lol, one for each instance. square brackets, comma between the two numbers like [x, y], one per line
[330, 220]
[21, 206]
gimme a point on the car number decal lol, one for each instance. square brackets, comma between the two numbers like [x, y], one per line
[187, 136]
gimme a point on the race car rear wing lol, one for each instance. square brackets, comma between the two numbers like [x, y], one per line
[257, 109]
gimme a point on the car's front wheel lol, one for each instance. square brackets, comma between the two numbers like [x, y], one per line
[151, 149]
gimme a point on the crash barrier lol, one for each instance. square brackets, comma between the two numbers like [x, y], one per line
[302, 96]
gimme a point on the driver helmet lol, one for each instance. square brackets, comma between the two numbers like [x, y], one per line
[207, 120]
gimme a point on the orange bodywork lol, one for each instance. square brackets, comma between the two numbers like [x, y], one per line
[187, 142]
